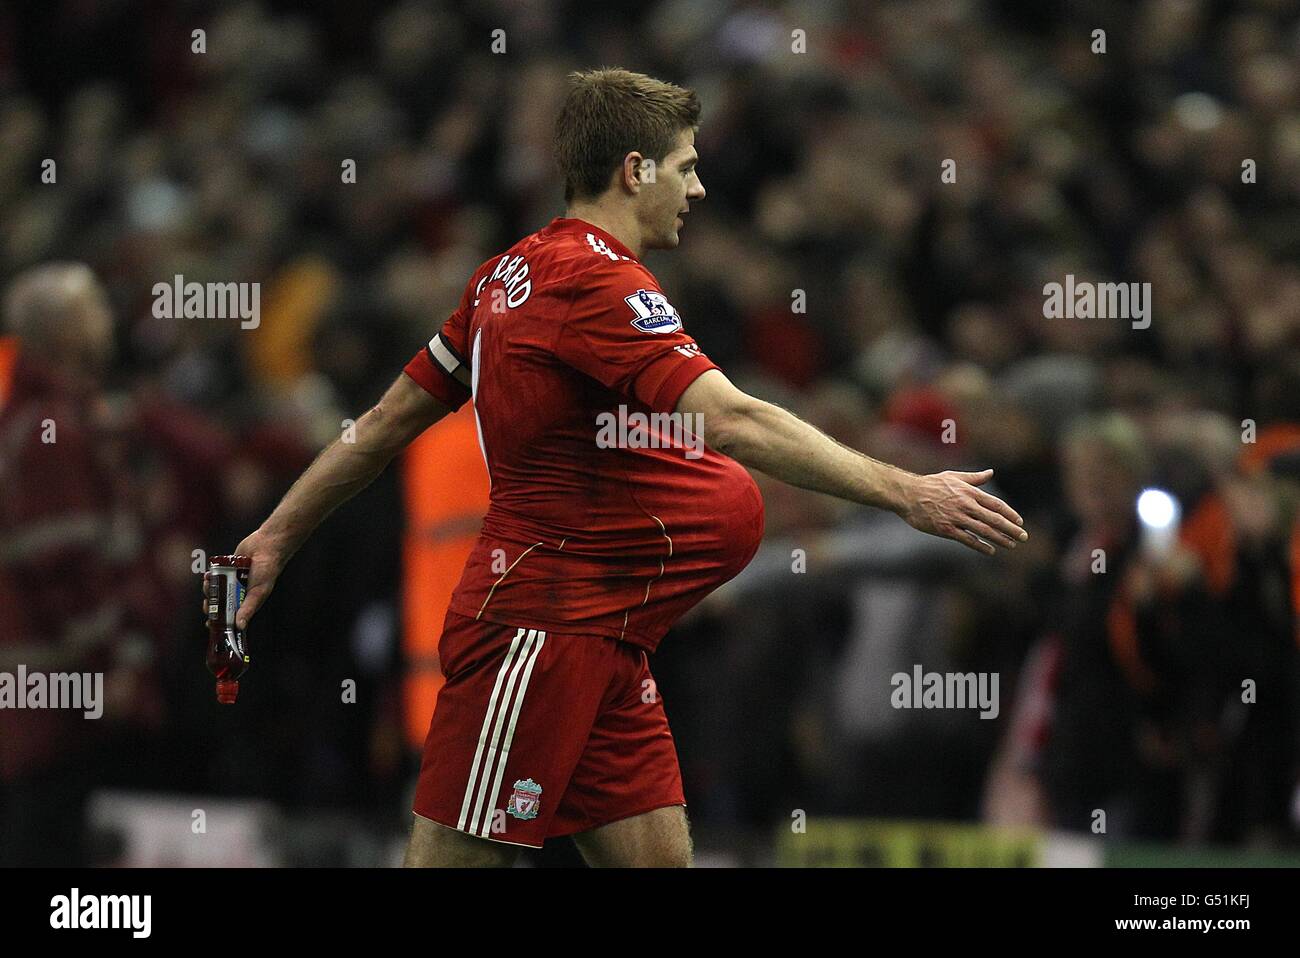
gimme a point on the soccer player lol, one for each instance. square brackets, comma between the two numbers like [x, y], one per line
[604, 526]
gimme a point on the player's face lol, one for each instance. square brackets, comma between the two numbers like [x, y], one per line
[665, 201]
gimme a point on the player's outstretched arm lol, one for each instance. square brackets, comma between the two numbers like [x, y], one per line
[775, 441]
[341, 471]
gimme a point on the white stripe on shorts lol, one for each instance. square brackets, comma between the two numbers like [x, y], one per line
[487, 723]
[510, 731]
[494, 758]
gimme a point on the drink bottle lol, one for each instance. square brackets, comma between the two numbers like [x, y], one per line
[225, 584]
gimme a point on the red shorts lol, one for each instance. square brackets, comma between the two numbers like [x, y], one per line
[540, 734]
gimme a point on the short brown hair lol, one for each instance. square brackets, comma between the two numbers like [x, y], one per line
[611, 112]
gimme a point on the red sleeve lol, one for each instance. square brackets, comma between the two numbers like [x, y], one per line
[623, 332]
[435, 380]
[434, 366]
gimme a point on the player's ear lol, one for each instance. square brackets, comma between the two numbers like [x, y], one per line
[633, 165]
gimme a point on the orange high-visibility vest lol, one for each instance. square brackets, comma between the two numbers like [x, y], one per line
[445, 487]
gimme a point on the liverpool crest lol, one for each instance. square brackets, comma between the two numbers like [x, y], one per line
[525, 800]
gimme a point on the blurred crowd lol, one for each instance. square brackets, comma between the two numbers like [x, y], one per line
[832, 269]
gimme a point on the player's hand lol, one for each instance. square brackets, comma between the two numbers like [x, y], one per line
[950, 505]
[267, 563]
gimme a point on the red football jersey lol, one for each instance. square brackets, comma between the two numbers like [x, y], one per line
[557, 334]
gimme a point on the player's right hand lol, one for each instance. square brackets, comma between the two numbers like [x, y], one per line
[950, 505]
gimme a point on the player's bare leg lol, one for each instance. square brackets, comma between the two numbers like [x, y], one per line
[657, 839]
[437, 846]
